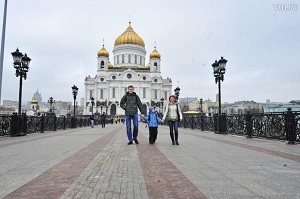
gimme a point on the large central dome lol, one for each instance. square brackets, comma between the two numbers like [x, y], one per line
[129, 37]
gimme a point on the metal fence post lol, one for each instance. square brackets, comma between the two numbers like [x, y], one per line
[249, 125]
[223, 123]
[202, 122]
[216, 122]
[55, 124]
[42, 123]
[64, 123]
[290, 126]
[24, 124]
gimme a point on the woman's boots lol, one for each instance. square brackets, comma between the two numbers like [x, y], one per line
[172, 138]
[176, 139]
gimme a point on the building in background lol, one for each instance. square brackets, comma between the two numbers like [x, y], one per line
[38, 96]
[130, 67]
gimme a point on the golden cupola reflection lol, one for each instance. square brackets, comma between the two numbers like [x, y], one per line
[129, 36]
[155, 54]
[148, 65]
[103, 52]
[110, 65]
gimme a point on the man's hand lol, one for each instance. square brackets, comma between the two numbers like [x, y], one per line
[142, 115]
[162, 121]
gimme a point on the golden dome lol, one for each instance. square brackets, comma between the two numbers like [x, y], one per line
[148, 65]
[103, 52]
[34, 101]
[110, 65]
[129, 36]
[155, 54]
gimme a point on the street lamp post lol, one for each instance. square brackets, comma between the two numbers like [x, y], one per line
[219, 71]
[201, 102]
[177, 92]
[75, 92]
[51, 101]
[108, 103]
[162, 105]
[93, 103]
[21, 64]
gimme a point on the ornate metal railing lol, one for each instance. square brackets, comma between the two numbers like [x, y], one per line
[272, 125]
[5, 128]
[15, 125]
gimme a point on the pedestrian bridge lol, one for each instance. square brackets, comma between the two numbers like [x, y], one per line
[97, 163]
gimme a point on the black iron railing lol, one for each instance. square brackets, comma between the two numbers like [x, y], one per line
[16, 125]
[272, 125]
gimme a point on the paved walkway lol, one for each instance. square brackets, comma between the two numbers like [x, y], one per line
[98, 163]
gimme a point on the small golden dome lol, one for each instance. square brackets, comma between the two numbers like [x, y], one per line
[155, 54]
[129, 36]
[148, 65]
[110, 65]
[103, 52]
[34, 101]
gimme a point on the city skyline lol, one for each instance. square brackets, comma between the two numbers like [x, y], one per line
[63, 37]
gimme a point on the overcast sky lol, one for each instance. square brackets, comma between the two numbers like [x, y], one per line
[62, 37]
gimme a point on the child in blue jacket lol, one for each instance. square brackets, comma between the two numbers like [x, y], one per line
[153, 121]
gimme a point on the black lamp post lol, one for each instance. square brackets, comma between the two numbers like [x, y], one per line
[93, 103]
[162, 104]
[177, 92]
[75, 92]
[21, 64]
[107, 105]
[51, 101]
[201, 102]
[219, 71]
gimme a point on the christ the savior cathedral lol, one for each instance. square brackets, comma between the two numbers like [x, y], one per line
[110, 83]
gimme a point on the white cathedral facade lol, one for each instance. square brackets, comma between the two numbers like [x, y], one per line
[110, 83]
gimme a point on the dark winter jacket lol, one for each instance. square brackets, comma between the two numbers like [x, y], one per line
[103, 117]
[130, 103]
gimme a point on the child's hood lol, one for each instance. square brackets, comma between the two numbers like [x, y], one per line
[150, 109]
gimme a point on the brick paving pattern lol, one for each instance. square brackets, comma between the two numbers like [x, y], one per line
[98, 163]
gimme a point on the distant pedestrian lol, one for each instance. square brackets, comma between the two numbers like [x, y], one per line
[92, 118]
[153, 121]
[131, 102]
[103, 119]
[173, 115]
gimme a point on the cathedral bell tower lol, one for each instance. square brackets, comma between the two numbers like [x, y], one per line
[155, 61]
[103, 59]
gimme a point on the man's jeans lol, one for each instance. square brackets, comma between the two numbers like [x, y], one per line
[134, 118]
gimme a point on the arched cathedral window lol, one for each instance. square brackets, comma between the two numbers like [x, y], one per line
[144, 92]
[114, 93]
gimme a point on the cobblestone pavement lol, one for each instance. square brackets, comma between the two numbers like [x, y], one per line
[98, 163]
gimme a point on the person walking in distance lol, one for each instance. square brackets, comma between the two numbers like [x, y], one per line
[103, 119]
[92, 120]
[173, 115]
[131, 102]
